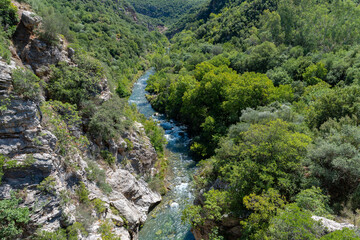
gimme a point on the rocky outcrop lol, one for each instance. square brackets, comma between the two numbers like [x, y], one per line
[30, 20]
[47, 179]
[331, 225]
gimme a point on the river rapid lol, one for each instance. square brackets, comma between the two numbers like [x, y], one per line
[164, 221]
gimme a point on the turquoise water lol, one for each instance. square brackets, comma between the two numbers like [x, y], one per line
[164, 222]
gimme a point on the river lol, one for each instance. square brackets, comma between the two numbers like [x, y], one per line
[164, 222]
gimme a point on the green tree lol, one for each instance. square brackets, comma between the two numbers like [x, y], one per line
[263, 207]
[294, 223]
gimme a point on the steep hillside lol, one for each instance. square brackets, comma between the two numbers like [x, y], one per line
[269, 92]
[76, 161]
[167, 11]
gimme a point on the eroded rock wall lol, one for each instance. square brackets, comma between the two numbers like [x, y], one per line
[48, 180]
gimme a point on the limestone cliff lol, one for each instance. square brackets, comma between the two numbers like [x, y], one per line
[49, 180]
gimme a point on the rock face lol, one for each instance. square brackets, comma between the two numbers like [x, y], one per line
[30, 19]
[47, 179]
[331, 225]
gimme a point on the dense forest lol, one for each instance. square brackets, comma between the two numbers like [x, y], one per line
[164, 11]
[110, 47]
[269, 91]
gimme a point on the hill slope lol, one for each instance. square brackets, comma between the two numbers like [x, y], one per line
[167, 11]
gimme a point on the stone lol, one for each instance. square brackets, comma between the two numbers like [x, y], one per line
[331, 225]
[30, 19]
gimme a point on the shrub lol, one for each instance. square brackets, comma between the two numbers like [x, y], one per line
[108, 157]
[76, 84]
[59, 234]
[156, 135]
[12, 218]
[2, 162]
[109, 122]
[294, 223]
[47, 185]
[99, 205]
[54, 24]
[344, 234]
[8, 13]
[83, 193]
[4, 46]
[314, 200]
[74, 230]
[105, 230]
[94, 173]
[27, 84]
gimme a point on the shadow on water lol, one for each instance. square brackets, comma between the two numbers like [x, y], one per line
[164, 222]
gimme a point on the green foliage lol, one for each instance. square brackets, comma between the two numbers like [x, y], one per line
[59, 118]
[71, 233]
[4, 46]
[94, 173]
[156, 135]
[261, 157]
[27, 84]
[334, 161]
[8, 13]
[122, 90]
[45, 235]
[12, 218]
[212, 98]
[294, 223]
[83, 193]
[52, 25]
[166, 11]
[47, 185]
[263, 207]
[344, 234]
[105, 230]
[2, 162]
[215, 205]
[108, 157]
[315, 201]
[109, 121]
[99, 205]
[337, 103]
[76, 84]
[74, 229]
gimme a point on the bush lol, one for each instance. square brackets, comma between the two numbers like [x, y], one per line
[99, 205]
[108, 157]
[2, 162]
[76, 84]
[59, 234]
[8, 14]
[156, 135]
[4, 47]
[47, 185]
[314, 201]
[94, 173]
[12, 218]
[105, 230]
[344, 234]
[27, 84]
[54, 24]
[83, 193]
[294, 223]
[109, 122]
[74, 230]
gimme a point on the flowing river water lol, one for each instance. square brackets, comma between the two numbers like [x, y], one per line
[164, 222]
